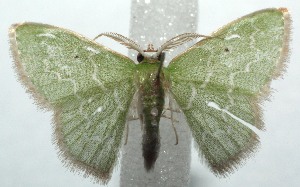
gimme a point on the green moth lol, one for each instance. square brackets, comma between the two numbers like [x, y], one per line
[218, 84]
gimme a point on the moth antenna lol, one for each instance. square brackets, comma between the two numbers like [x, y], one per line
[179, 40]
[130, 44]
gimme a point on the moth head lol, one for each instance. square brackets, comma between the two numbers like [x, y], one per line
[150, 55]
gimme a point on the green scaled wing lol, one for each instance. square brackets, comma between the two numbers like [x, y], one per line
[88, 86]
[220, 81]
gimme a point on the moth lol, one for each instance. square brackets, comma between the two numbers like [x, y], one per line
[219, 84]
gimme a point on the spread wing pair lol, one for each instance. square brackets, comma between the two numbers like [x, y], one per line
[218, 83]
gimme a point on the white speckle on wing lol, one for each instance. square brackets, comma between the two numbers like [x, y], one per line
[98, 110]
[214, 105]
[92, 50]
[232, 37]
[225, 111]
[47, 35]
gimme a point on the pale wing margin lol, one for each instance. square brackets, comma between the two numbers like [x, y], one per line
[65, 72]
[220, 82]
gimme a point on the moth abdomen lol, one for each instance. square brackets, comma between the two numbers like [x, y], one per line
[151, 146]
[151, 102]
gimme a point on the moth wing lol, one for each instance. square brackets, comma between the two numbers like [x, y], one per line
[220, 82]
[88, 86]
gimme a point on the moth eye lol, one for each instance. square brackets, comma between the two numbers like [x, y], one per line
[226, 49]
[76, 56]
[140, 57]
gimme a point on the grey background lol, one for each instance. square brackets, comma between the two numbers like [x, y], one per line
[27, 155]
[172, 167]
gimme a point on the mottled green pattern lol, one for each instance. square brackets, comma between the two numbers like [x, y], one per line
[60, 63]
[218, 83]
[88, 86]
[226, 75]
[92, 125]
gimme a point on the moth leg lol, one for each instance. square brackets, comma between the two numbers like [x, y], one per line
[126, 132]
[141, 121]
[174, 110]
[170, 118]
[132, 118]
[172, 121]
[167, 114]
